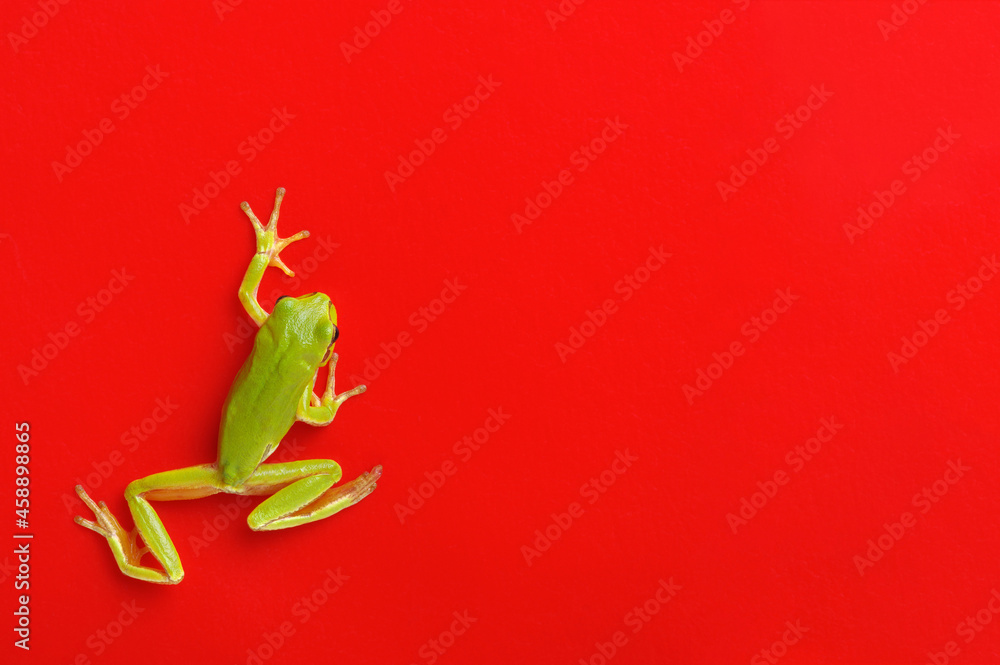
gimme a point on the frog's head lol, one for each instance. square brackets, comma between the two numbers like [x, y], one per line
[309, 323]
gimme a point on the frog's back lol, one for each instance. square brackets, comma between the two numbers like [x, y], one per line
[260, 407]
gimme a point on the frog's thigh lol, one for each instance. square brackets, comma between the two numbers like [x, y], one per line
[294, 485]
[192, 482]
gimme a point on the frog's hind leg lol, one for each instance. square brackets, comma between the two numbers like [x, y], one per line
[303, 492]
[123, 544]
[190, 483]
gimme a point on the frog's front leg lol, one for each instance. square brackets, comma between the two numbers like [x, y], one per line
[190, 483]
[320, 411]
[269, 247]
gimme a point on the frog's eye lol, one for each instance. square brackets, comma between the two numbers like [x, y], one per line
[336, 334]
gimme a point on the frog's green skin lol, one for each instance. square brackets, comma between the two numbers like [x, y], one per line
[273, 389]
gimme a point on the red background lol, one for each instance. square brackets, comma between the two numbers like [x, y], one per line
[665, 518]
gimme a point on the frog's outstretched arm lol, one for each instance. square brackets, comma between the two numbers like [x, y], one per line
[269, 247]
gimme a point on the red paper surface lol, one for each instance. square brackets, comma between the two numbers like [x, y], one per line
[734, 419]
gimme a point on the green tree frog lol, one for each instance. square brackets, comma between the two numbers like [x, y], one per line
[273, 389]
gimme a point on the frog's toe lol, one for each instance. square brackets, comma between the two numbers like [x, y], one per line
[82, 493]
[92, 526]
[364, 484]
